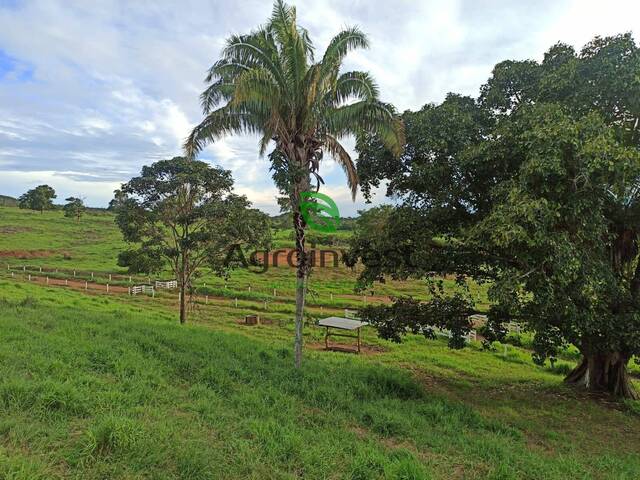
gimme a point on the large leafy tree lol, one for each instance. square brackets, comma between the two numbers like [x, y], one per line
[533, 187]
[39, 198]
[184, 212]
[268, 82]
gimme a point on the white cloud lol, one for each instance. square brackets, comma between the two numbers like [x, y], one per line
[101, 88]
[95, 191]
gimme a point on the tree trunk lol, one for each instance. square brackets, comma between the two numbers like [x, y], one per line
[604, 372]
[183, 310]
[302, 270]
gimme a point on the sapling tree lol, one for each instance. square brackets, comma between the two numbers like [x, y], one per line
[184, 211]
[74, 208]
[533, 188]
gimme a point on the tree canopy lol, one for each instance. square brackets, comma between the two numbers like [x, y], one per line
[533, 188]
[74, 208]
[39, 198]
[184, 211]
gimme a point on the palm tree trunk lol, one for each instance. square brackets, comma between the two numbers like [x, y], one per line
[302, 268]
[301, 285]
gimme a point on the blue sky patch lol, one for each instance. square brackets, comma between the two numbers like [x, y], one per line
[13, 69]
[9, 4]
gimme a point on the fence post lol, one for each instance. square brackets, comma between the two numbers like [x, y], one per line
[74, 273]
[331, 296]
[274, 292]
[249, 287]
[40, 269]
[109, 277]
[29, 277]
[11, 274]
[91, 274]
[129, 278]
[47, 280]
[24, 268]
[66, 282]
[86, 285]
[107, 288]
[236, 302]
[206, 299]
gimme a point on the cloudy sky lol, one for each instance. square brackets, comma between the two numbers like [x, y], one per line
[92, 90]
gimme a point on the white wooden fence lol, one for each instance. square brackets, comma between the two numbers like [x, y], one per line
[353, 314]
[514, 327]
[168, 284]
[147, 289]
[472, 336]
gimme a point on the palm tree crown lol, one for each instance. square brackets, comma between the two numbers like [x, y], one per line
[268, 82]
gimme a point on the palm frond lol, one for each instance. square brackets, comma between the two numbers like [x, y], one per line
[256, 84]
[294, 45]
[355, 85]
[221, 122]
[370, 116]
[344, 42]
[255, 50]
[342, 158]
[216, 93]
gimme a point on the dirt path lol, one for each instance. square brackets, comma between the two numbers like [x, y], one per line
[92, 287]
[78, 285]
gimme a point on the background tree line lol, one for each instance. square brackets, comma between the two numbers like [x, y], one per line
[41, 198]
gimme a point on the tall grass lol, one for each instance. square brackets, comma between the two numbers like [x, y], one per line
[91, 387]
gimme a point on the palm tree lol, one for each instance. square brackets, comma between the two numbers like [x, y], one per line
[268, 83]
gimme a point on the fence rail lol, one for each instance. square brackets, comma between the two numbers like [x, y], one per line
[146, 289]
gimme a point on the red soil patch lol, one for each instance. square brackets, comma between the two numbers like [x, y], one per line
[263, 321]
[79, 285]
[26, 254]
[11, 229]
[370, 298]
[340, 347]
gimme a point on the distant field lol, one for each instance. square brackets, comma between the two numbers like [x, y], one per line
[51, 239]
[103, 385]
[92, 245]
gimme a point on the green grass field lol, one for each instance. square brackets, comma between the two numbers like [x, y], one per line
[96, 385]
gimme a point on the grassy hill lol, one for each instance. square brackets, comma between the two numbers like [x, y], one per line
[92, 245]
[6, 201]
[96, 385]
